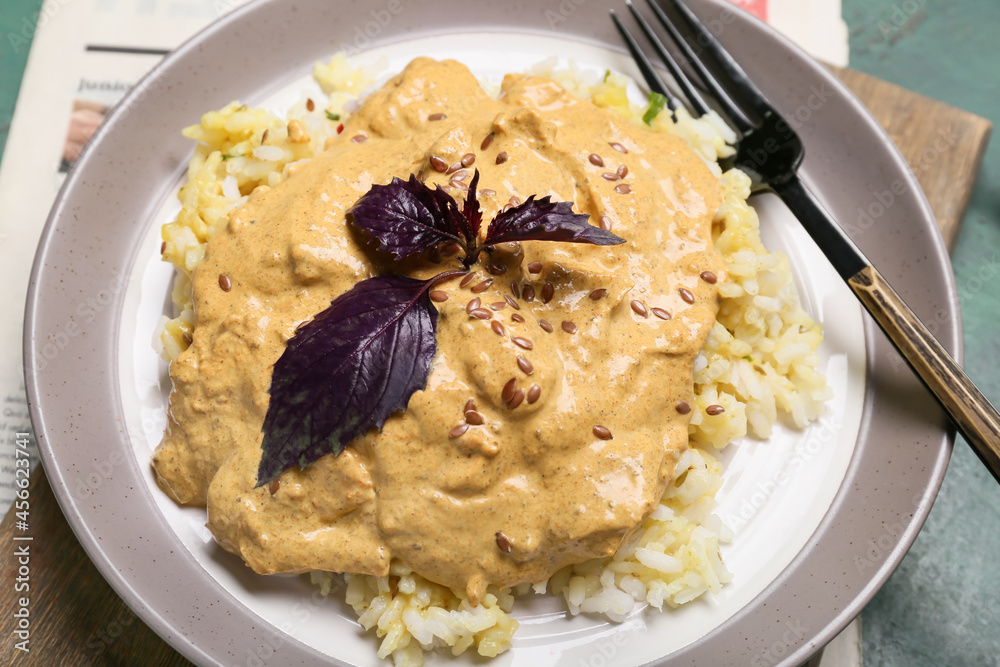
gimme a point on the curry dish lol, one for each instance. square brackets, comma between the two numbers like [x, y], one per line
[577, 364]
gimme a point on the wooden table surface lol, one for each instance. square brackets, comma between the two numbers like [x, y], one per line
[78, 619]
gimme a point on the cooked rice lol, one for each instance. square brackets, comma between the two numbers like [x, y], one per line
[760, 359]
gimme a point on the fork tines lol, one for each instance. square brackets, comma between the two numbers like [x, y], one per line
[705, 41]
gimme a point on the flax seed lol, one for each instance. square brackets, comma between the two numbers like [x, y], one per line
[483, 286]
[508, 390]
[460, 175]
[534, 393]
[496, 269]
[359, 138]
[682, 407]
[163, 247]
[439, 296]
[618, 147]
[611, 176]
[623, 188]
[548, 291]
[225, 283]
[512, 302]
[486, 142]
[546, 326]
[310, 105]
[535, 267]
[603, 432]
[568, 327]
[454, 167]
[437, 116]
[639, 308]
[497, 328]
[481, 314]
[470, 405]
[468, 159]
[522, 343]
[486, 192]
[458, 431]
[605, 223]
[499, 305]
[472, 305]
[514, 201]
[502, 157]
[662, 314]
[473, 418]
[685, 295]
[503, 543]
[525, 365]
[517, 399]
[274, 486]
[714, 410]
[438, 164]
[515, 290]
[517, 318]
[622, 171]
[188, 340]
[528, 293]
[709, 277]
[596, 160]
[598, 294]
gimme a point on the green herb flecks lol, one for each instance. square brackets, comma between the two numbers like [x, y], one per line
[656, 104]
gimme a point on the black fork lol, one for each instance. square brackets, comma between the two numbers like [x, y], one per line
[770, 151]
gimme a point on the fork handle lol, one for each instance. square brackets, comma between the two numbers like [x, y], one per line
[975, 418]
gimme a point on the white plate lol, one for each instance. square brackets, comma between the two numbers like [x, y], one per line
[775, 493]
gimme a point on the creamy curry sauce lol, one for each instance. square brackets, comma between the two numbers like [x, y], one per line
[537, 473]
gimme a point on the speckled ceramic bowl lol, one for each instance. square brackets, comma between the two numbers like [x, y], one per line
[815, 549]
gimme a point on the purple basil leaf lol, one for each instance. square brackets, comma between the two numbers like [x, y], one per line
[470, 209]
[544, 220]
[407, 217]
[347, 370]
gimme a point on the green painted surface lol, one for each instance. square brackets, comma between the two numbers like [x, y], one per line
[18, 20]
[943, 604]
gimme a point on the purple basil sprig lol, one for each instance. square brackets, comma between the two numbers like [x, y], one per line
[348, 369]
[407, 217]
[545, 220]
[360, 360]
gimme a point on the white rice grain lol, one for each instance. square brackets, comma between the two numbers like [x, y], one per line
[659, 561]
[269, 153]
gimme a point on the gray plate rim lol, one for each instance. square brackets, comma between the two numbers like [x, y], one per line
[73, 397]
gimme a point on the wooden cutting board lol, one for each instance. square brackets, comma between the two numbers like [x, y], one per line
[77, 619]
[942, 144]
